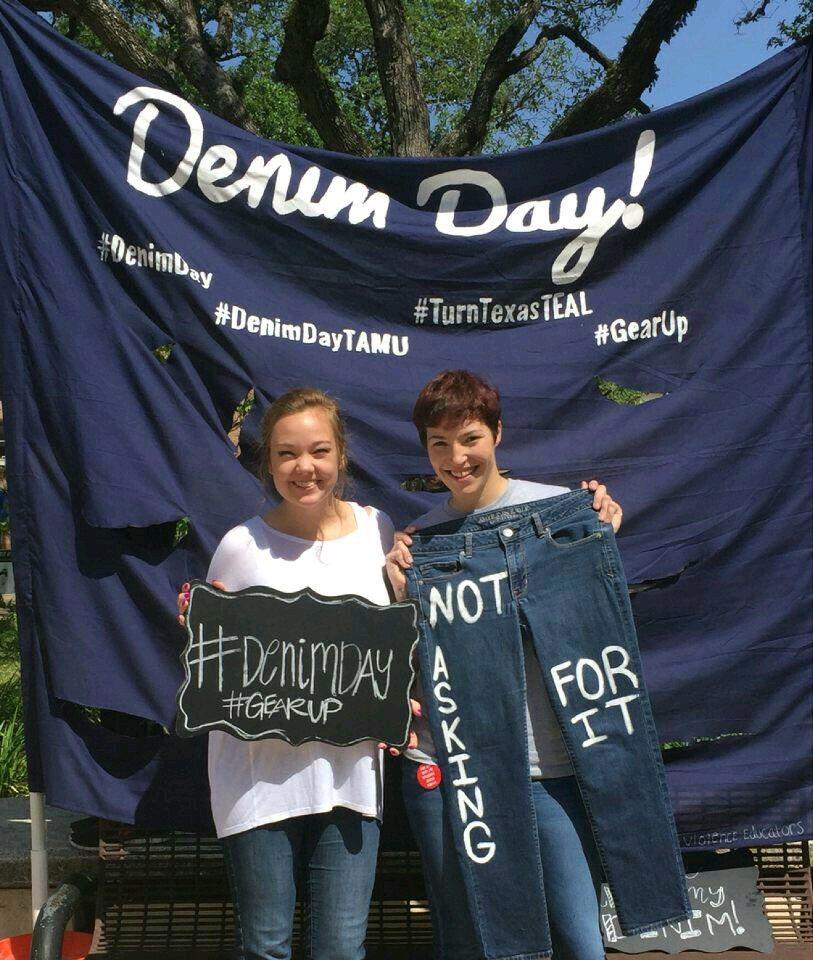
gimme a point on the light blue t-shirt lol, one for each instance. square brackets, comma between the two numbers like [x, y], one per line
[546, 751]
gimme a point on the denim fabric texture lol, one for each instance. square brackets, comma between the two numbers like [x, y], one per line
[572, 871]
[550, 568]
[335, 853]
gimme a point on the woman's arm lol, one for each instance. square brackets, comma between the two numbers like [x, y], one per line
[224, 566]
[399, 559]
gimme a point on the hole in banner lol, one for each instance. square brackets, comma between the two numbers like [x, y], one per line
[426, 483]
[658, 583]
[625, 396]
[122, 724]
[107, 551]
[164, 352]
[180, 531]
[241, 411]
[697, 741]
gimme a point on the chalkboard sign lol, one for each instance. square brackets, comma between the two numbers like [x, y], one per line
[727, 912]
[298, 666]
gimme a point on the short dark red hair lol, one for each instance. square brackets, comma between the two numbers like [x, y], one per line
[456, 396]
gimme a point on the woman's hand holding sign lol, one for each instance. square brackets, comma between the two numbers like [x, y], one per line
[183, 598]
[413, 737]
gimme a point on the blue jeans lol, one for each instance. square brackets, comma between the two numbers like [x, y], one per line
[551, 569]
[572, 871]
[337, 853]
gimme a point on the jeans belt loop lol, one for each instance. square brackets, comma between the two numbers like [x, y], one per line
[539, 526]
[469, 550]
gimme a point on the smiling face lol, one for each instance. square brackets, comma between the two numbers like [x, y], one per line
[303, 457]
[463, 456]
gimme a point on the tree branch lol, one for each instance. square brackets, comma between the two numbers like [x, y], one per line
[398, 72]
[200, 68]
[632, 73]
[751, 16]
[225, 27]
[470, 133]
[296, 66]
[592, 51]
[117, 35]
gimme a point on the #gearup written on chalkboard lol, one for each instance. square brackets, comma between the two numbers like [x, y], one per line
[297, 666]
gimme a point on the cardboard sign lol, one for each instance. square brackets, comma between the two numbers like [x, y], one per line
[297, 666]
[727, 912]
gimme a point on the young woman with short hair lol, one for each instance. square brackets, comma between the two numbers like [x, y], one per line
[458, 419]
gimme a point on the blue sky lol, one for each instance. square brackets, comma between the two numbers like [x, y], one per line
[708, 51]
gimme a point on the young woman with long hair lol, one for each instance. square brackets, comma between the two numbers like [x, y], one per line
[281, 809]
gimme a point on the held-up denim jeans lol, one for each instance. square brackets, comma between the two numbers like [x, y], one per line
[550, 568]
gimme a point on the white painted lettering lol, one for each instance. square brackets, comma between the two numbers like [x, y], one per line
[436, 603]
[583, 664]
[591, 736]
[220, 161]
[465, 612]
[484, 850]
[445, 221]
[559, 682]
[495, 579]
[619, 668]
[466, 804]
[621, 703]
[445, 703]
[462, 779]
[449, 735]
[439, 668]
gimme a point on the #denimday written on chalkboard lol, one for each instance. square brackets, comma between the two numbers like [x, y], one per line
[299, 667]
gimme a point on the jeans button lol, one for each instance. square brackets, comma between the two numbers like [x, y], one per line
[508, 532]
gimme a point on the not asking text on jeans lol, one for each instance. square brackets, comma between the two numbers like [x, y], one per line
[470, 801]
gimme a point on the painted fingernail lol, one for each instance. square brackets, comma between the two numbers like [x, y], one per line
[418, 711]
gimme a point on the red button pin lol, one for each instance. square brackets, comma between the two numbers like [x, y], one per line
[429, 775]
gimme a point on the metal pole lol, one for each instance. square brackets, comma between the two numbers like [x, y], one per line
[39, 855]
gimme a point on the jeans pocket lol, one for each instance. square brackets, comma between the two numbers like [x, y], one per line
[430, 570]
[572, 533]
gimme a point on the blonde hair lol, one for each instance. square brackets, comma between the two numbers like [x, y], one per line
[295, 401]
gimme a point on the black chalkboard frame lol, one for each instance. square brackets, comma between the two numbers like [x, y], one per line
[184, 728]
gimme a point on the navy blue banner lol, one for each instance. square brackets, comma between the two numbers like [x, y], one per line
[670, 254]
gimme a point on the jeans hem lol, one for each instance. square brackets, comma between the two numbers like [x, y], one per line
[632, 931]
